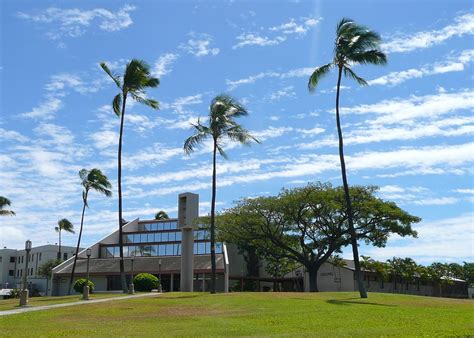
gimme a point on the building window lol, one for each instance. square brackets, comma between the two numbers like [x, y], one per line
[1, 259]
[12, 259]
[40, 256]
[65, 256]
[11, 273]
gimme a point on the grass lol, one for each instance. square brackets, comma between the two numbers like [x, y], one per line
[11, 304]
[252, 314]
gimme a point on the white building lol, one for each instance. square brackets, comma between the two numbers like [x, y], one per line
[13, 264]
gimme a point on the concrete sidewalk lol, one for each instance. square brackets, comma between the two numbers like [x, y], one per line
[81, 302]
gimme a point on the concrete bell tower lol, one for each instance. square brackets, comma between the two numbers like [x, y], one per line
[188, 212]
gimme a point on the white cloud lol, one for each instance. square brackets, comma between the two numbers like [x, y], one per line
[437, 201]
[430, 246]
[104, 139]
[163, 64]
[46, 110]
[297, 72]
[451, 65]
[75, 22]
[465, 191]
[200, 45]
[462, 25]
[279, 94]
[181, 103]
[12, 135]
[271, 132]
[277, 34]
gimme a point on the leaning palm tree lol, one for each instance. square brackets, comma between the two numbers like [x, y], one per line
[63, 225]
[93, 180]
[5, 202]
[220, 127]
[135, 80]
[160, 215]
[355, 44]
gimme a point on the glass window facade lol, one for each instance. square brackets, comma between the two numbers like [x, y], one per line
[143, 250]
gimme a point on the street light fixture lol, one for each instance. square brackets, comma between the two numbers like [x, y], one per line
[160, 288]
[25, 293]
[131, 288]
[85, 288]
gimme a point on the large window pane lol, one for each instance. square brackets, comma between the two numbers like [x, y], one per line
[171, 236]
[110, 251]
[160, 226]
[151, 238]
[162, 250]
[136, 238]
[146, 250]
[154, 227]
[147, 227]
[125, 251]
[218, 247]
[103, 252]
[169, 249]
[178, 235]
[143, 238]
[201, 248]
[173, 225]
[154, 250]
[178, 249]
[158, 237]
[164, 237]
[195, 248]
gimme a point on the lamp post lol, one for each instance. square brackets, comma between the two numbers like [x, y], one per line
[160, 288]
[85, 289]
[131, 288]
[25, 293]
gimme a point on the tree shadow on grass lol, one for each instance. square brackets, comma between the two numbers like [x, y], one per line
[356, 301]
[38, 299]
[179, 297]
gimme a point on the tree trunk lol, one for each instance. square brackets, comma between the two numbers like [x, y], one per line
[213, 212]
[59, 252]
[119, 184]
[78, 243]
[313, 279]
[355, 250]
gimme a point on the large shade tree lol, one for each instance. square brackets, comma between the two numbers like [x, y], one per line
[221, 126]
[311, 223]
[63, 225]
[91, 180]
[354, 45]
[134, 82]
[4, 203]
[161, 215]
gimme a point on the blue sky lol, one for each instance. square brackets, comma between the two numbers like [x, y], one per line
[410, 132]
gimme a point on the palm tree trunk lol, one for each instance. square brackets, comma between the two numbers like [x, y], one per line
[119, 183]
[355, 250]
[59, 252]
[213, 211]
[78, 244]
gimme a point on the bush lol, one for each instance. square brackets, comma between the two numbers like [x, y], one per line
[79, 285]
[145, 282]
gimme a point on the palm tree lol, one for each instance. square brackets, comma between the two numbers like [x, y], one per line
[221, 126]
[5, 202]
[63, 225]
[160, 215]
[355, 44]
[93, 180]
[134, 82]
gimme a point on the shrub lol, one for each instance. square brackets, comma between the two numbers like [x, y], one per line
[79, 285]
[145, 282]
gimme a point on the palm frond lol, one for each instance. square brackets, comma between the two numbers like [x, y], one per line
[350, 73]
[317, 75]
[160, 215]
[241, 135]
[66, 225]
[191, 142]
[147, 102]
[114, 77]
[117, 104]
[372, 56]
[222, 152]
[4, 202]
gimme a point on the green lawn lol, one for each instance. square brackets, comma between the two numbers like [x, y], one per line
[11, 304]
[257, 314]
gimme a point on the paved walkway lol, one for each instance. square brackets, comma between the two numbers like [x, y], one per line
[81, 302]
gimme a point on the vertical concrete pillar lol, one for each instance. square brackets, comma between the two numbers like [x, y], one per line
[188, 212]
[172, 283]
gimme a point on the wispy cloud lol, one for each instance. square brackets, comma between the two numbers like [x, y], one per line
[46, 110]
[74, 22]
[453, 64]
[200, 45]
[162, 66]
[277, 34]
[462, 25]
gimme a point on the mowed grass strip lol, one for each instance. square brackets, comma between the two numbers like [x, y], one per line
[12, 304]
[252, 314]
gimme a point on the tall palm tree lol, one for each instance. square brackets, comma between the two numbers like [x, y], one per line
[93, 180]
[63, 225]
[221, 126]
[355, 44]
[5, 202]
[133, 83]
[160, 215]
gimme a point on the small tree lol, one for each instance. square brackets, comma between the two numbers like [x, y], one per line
[46, 270]
[161, 215]
[80, 283]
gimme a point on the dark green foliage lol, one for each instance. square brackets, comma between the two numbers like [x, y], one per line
[80, 283]
[5, 202]
[45, 270]
[145, 282]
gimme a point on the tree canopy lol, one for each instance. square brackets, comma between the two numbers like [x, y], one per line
[309, 224]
